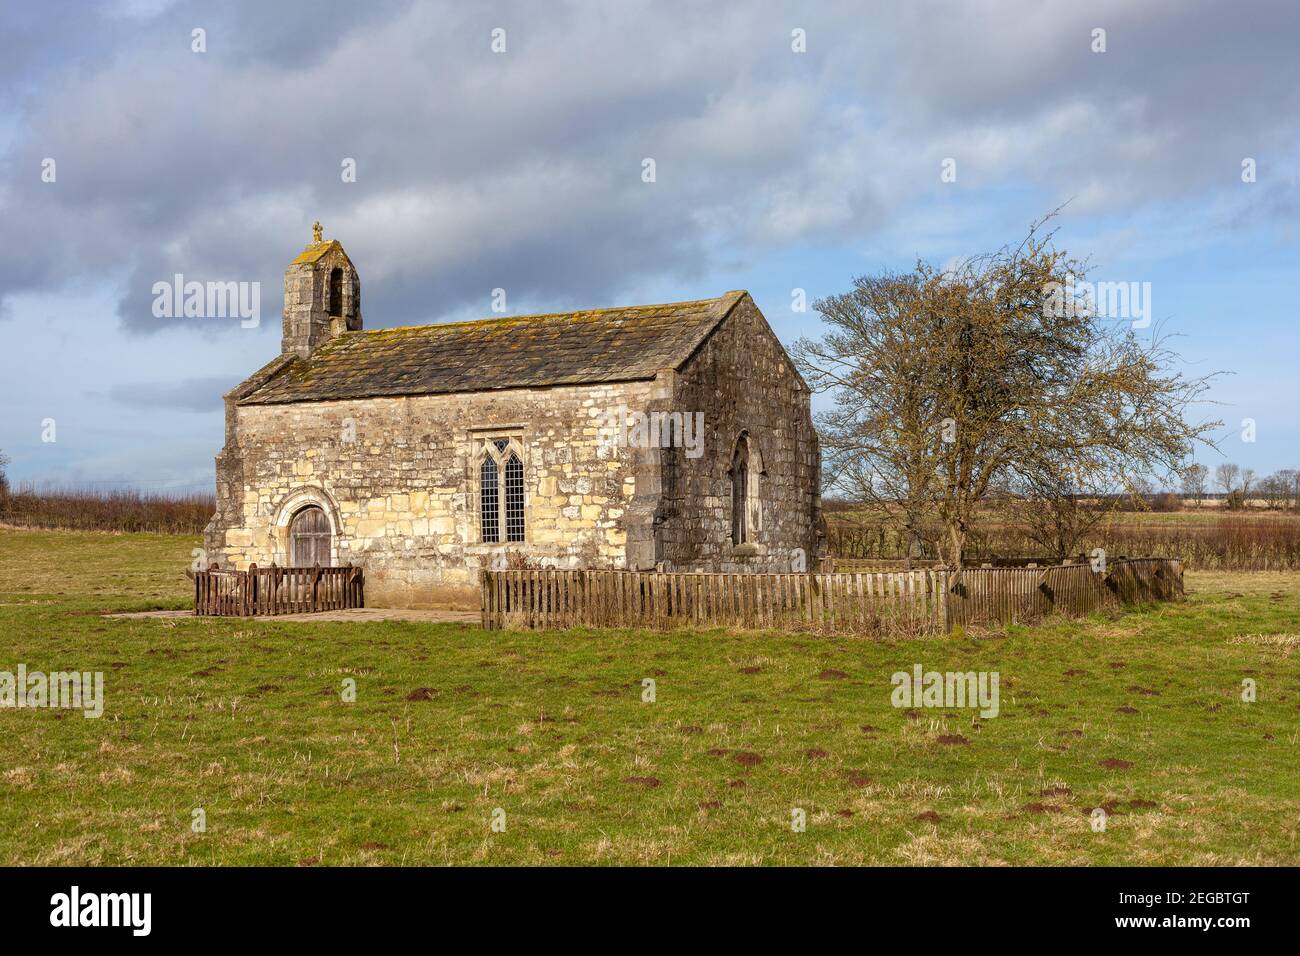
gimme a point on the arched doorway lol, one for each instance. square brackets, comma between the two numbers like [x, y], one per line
[309, 538]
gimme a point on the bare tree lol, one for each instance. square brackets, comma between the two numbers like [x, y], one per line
[1141, 492]
[1058, 516]
[1236, 483]
[948, 380]
[1226, 476]
[4, 478]
[1290, 482]
[1194, 478]
[1274, 489]
[882, 450]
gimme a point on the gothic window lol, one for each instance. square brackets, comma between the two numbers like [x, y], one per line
[501, 491]
[740, 492]
[489, 500]
[514, 498]
[336, 292]
[309, 538]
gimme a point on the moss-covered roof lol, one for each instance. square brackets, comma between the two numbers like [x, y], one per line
[316, 250]
[568, 348]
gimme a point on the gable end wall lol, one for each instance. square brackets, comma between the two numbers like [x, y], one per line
[742, 380]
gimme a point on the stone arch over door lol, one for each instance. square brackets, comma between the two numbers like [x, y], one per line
[305, 510]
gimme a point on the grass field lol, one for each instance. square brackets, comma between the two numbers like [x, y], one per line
[1141, 714]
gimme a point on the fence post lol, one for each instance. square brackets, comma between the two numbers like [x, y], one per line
[942, 574]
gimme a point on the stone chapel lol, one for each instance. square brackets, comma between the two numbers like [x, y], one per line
[675, 436]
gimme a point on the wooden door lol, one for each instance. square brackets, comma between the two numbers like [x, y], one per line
[309, 538]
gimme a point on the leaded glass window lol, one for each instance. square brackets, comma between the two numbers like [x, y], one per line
[489, 500]
[514, 499]
[501, 491]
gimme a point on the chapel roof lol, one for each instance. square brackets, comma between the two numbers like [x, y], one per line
[564, 348]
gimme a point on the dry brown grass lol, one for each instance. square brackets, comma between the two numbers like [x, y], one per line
[123, 511]
[1209, 539]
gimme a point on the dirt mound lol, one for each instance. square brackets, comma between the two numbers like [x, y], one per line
[1040, 808]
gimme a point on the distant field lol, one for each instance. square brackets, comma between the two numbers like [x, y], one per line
[1140, 713]
[1206, 515]
[91, 509]
[1210, 538]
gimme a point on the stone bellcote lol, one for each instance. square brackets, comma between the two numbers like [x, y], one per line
[322, 296]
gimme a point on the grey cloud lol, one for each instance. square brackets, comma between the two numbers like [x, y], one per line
[1182, 93]
[522, 170]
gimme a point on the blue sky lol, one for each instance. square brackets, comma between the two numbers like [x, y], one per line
[521, 170]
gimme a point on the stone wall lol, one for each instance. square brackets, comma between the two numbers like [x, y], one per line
[742, 381]
[398, 478]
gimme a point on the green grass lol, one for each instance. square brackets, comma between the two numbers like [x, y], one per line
[245, 720]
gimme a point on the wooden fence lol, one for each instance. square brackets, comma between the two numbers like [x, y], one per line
[995, 595]
[549, 598]
[275, 590]
[873, 602]
[553, 598]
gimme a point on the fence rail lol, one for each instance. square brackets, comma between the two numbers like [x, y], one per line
[874, 602]
[276, 590]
